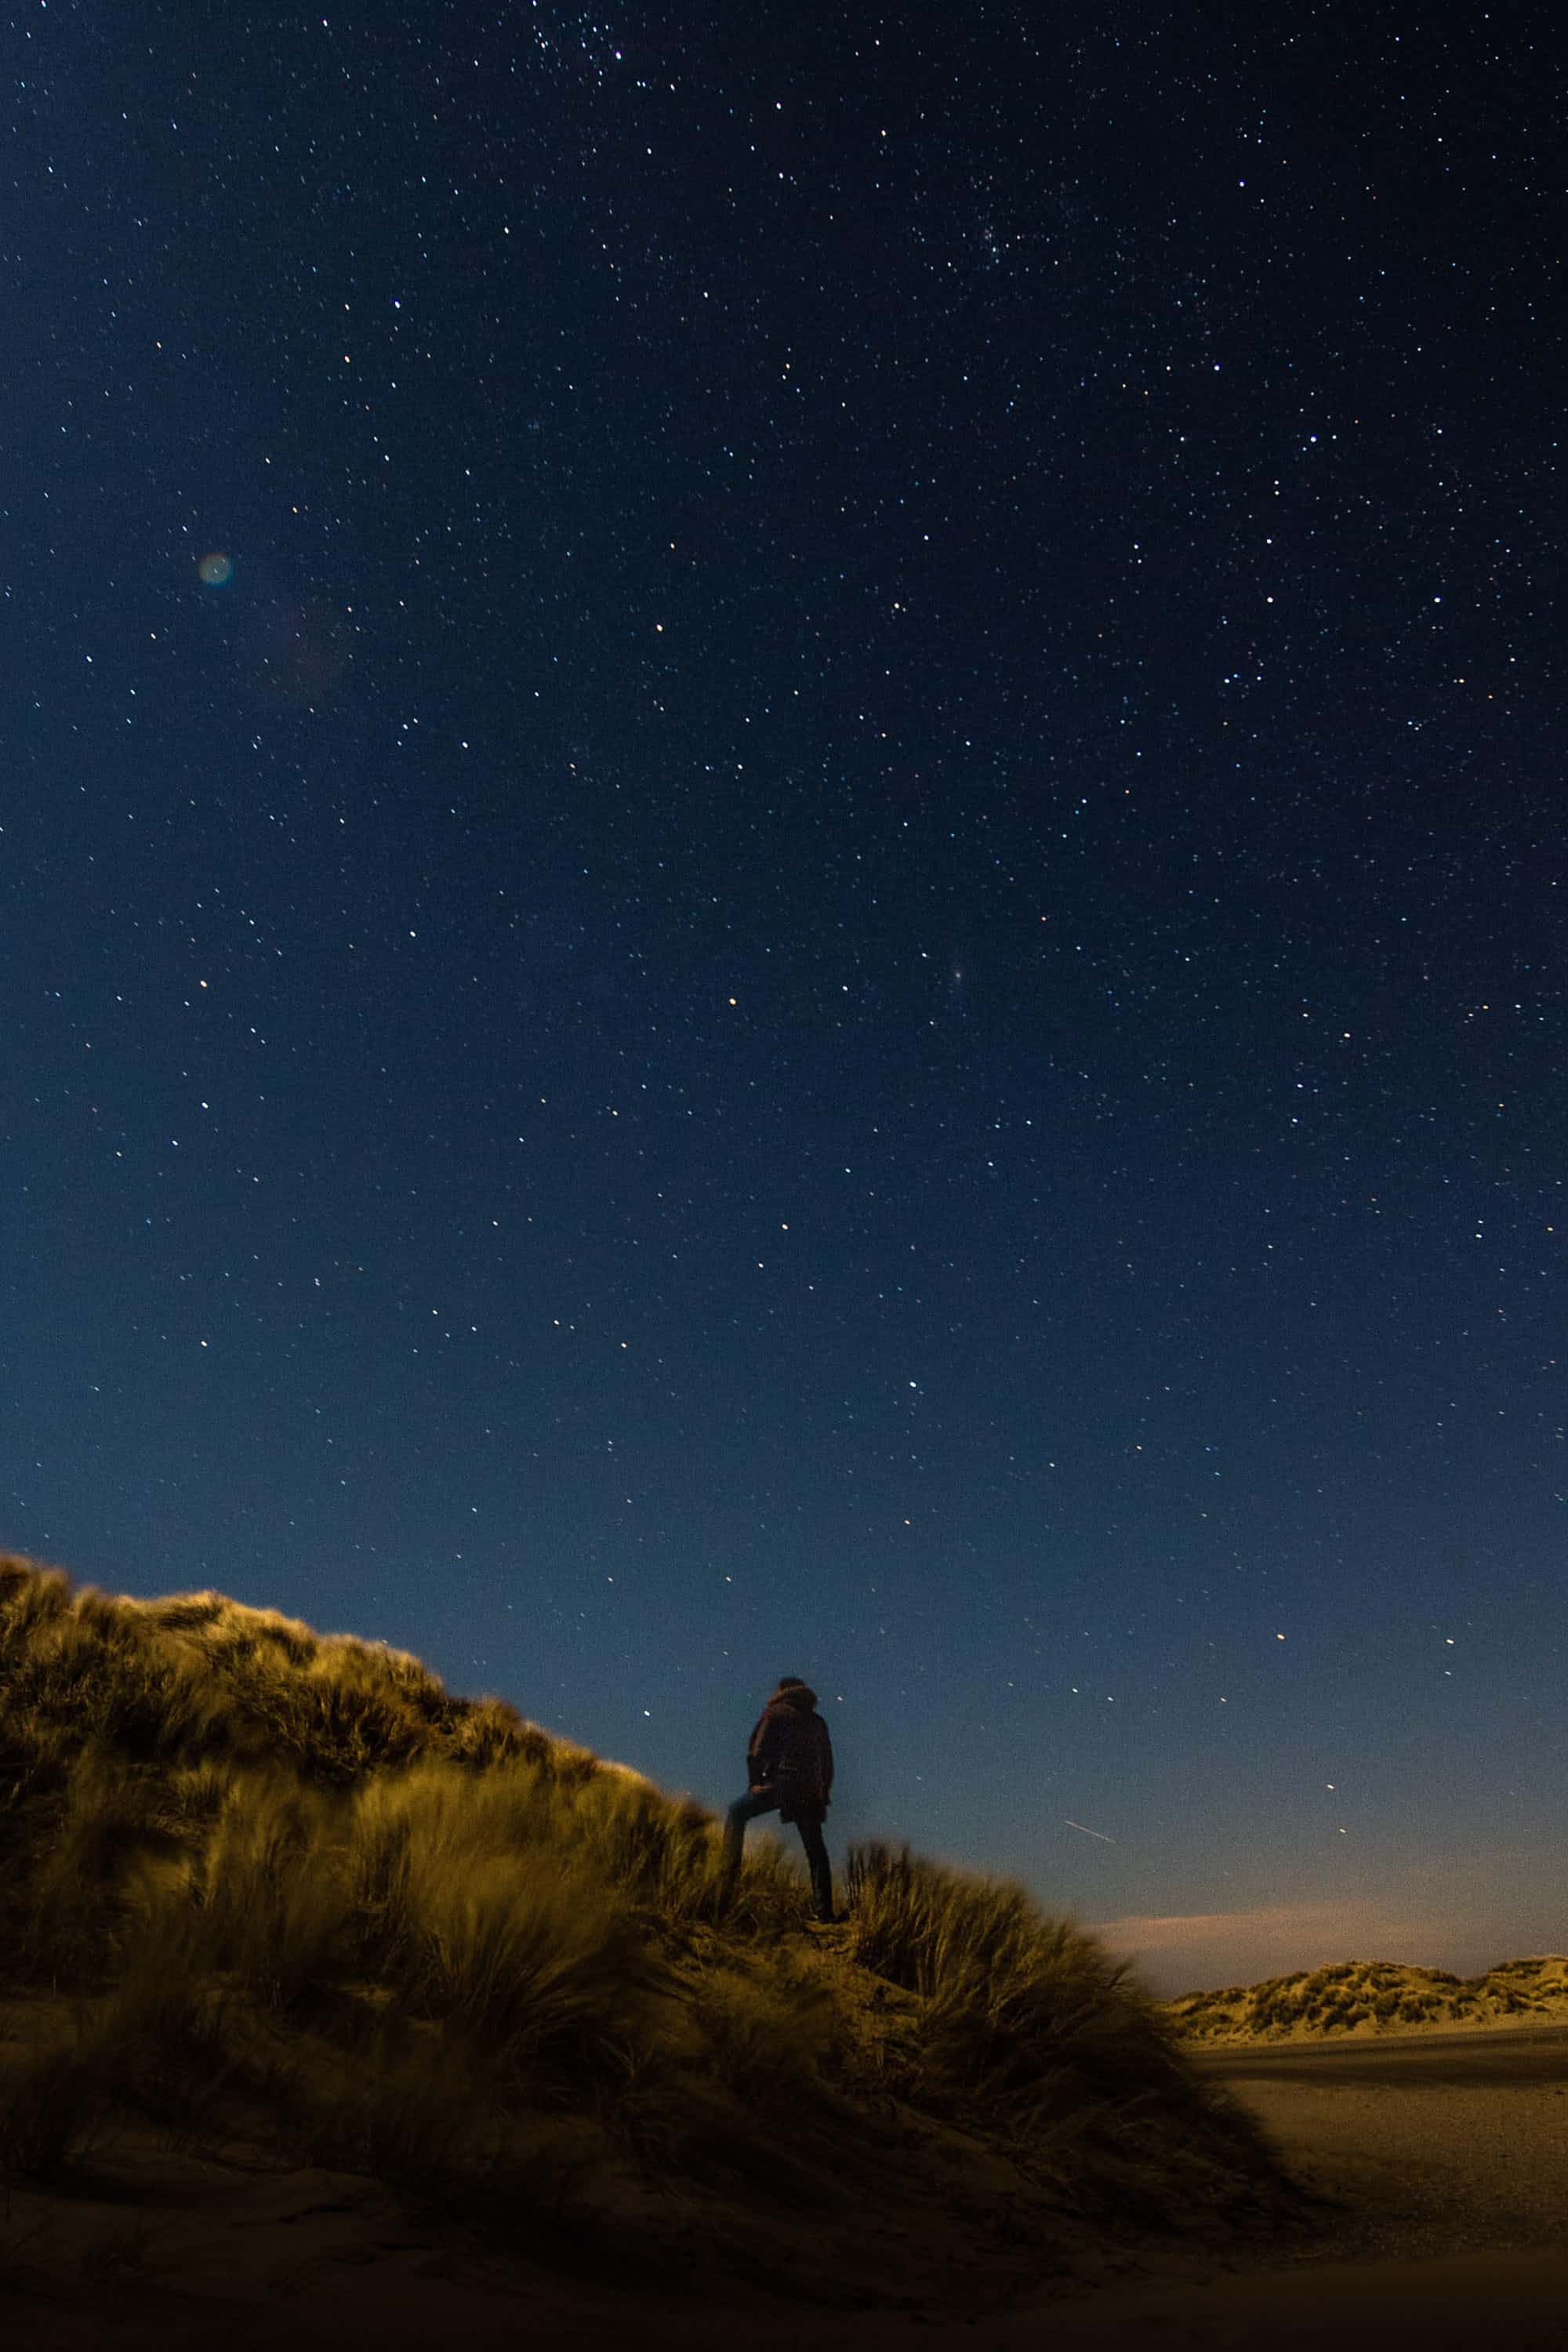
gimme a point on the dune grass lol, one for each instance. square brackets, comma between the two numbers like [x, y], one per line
[1030, 2023]
[260, 1878]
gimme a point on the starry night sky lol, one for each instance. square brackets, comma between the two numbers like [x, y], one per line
[837, 945]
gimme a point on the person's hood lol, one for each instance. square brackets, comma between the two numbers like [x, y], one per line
[797, 1696]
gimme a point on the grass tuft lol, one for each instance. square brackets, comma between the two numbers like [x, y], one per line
[1029, 2023]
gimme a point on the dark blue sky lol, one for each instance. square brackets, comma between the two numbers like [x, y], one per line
[842, 952]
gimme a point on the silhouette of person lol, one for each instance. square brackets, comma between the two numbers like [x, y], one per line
[789, 1770]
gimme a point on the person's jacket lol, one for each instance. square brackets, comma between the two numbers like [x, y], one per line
[790, 1751]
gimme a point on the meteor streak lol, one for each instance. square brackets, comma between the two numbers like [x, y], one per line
[1088, 1833]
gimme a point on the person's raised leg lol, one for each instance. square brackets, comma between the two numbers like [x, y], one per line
[744, 1808]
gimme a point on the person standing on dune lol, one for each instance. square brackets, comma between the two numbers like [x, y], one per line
[789, 1770]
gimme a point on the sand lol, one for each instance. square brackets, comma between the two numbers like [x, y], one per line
[1446, 2158]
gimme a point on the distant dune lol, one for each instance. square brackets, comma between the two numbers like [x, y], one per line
[1366, 1998]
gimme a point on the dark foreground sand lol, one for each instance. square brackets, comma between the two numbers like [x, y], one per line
[1446, 2158]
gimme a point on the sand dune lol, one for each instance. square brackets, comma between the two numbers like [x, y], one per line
[336, 2007]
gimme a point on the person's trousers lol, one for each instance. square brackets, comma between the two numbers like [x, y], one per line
[767, 1800]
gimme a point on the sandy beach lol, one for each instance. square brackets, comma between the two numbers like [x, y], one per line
[1446, 2158]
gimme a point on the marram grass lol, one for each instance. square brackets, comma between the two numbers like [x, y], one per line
[255, 1873]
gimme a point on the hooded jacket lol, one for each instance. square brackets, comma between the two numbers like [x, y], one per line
[791, 1752]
